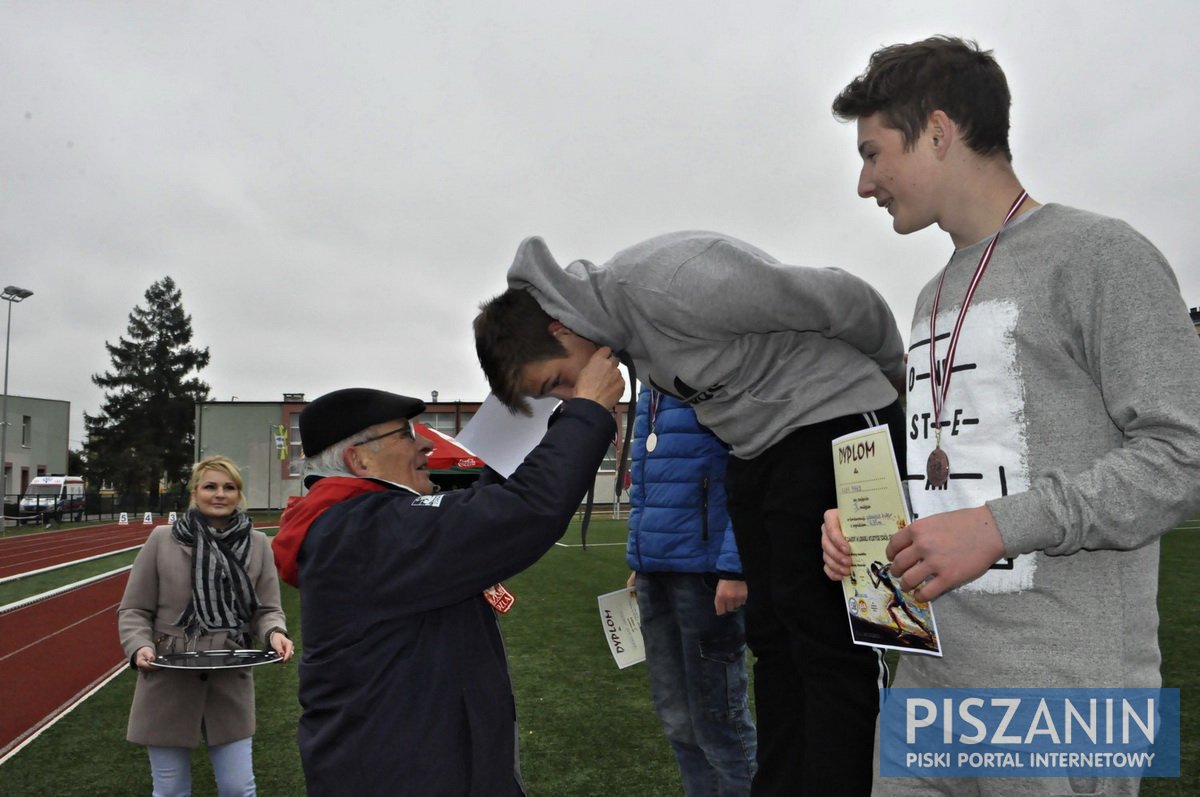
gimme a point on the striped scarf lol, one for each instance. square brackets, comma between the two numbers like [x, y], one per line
[223, 598]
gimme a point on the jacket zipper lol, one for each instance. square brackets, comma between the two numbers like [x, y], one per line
[704, 509]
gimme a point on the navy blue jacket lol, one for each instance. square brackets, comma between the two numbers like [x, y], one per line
[403, 680]
[678, 522]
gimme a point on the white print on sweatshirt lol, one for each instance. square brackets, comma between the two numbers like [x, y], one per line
[983, 428]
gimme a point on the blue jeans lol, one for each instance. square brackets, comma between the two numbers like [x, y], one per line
[171, 769]
[697, 668]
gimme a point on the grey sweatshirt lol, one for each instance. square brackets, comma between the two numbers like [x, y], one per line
[757, 348]
[1074, 414]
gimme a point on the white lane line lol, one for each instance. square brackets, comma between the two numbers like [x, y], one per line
[21, 604]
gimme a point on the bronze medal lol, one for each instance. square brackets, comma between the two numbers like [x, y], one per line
[937, 468]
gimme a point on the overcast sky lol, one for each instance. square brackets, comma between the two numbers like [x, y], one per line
[336, 186]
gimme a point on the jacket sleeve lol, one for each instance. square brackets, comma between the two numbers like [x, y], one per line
[742, 293]
[266, 588]
[433, 551]
[135, 614]
[1128, 324]
[729, 563]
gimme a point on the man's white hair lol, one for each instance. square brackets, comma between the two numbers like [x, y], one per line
[332, 461]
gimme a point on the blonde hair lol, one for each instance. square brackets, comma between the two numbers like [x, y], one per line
[223, 465]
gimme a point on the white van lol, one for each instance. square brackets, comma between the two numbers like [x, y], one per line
[60, 497]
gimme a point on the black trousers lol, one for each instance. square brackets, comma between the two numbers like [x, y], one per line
[816, 693]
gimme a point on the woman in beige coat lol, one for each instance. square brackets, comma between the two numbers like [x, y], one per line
[207, 582]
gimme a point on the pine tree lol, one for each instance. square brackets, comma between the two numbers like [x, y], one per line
[145, 429]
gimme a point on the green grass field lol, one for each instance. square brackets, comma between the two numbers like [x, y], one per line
[587, 728]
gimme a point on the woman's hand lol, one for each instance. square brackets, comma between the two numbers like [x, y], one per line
[282, 645]
[143, 659]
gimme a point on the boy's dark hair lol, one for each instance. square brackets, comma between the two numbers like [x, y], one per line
[512, 331]
[908, 82]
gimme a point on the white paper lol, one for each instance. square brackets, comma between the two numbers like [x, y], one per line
[503, 439]
[622, 624]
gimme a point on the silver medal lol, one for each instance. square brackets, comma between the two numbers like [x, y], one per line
[651, 441]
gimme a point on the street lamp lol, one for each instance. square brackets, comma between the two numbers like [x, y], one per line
[11, 294]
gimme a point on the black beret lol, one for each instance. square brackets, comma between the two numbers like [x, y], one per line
[335, 416]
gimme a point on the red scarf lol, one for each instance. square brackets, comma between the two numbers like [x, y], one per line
[303, 511]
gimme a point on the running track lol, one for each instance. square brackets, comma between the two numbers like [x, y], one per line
[53, 652]
[39, 551]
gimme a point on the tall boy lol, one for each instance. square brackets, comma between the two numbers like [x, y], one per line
[776, 360]
[1059, 435]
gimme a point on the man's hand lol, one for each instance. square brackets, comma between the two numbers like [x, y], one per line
[834, 548]
[600, 380]
[731, 595]
[943, 550]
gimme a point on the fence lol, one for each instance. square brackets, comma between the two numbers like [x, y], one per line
[107, 506]
[95, 506]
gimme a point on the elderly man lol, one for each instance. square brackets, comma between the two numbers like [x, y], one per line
[403, 680]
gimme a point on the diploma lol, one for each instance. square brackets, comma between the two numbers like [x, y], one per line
[871, 508]
[622, 625]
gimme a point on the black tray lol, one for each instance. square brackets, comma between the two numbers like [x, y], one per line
[216, 659]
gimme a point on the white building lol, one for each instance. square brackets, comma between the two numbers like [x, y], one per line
[35, 441]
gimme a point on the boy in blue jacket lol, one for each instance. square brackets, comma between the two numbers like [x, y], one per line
[690, 589]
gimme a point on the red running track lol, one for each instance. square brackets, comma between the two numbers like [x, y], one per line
[49, 548]
[55, 651]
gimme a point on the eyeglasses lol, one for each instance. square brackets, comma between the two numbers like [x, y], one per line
[404, 431]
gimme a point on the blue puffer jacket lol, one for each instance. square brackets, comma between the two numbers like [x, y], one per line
[678, 522]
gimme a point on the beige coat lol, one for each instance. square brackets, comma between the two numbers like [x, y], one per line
[170, 706]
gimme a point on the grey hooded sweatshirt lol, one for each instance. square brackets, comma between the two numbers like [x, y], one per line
[758, 348]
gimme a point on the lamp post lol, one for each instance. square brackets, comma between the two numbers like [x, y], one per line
[11, 294]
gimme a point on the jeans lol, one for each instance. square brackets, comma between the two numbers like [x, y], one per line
[171, 769]
[696, 664]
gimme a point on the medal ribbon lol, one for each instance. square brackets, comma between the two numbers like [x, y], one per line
[939, 396]
[652, 436]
